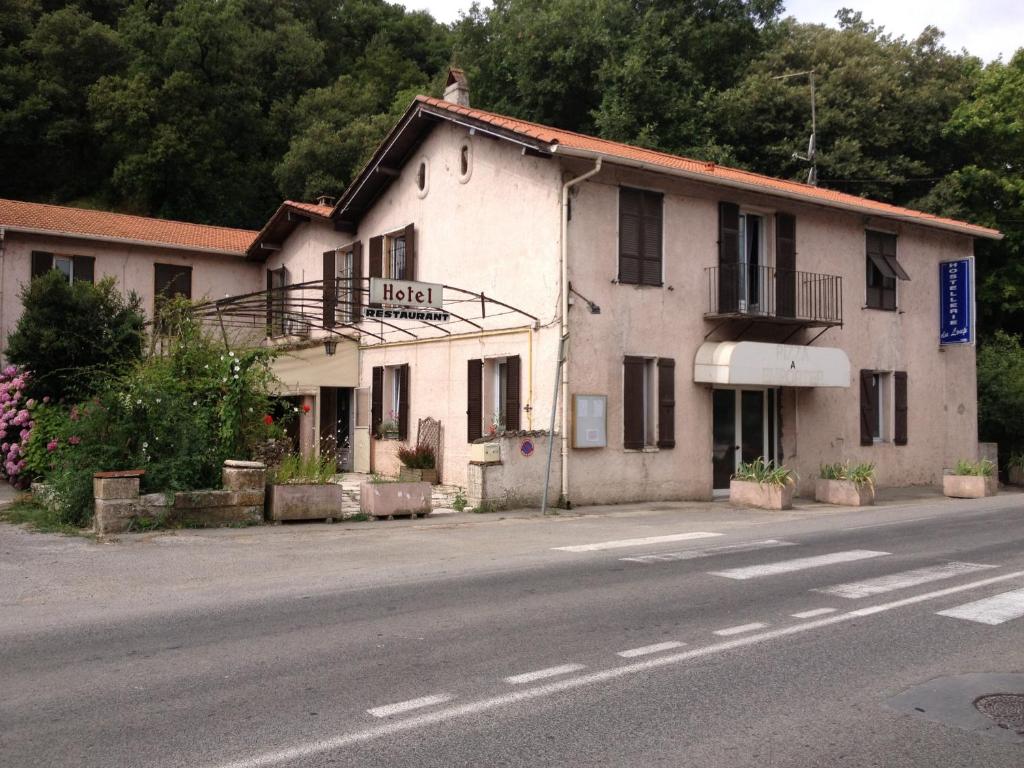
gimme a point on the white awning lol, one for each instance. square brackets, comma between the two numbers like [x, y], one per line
[304, 371]
[771, 365]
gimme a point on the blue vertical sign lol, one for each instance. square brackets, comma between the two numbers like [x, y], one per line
[956, 302]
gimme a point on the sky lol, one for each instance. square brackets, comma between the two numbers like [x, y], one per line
[986, 28]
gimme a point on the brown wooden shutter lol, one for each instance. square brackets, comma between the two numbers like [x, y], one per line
[650, 265]
[357, 282]
[785, 265]
[728, 257]
[666, 402]
[84, 268]
[42, 262]
[513, 399]
[376, 260]
[630, 227]
[633, 402]
[377, 399]
[403, 401]
[867, 407]
[410, 253]
[474, 399]
[330, 289]
[900, 420]
[270, 303]
[328, 421]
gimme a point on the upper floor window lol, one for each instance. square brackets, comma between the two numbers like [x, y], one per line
[640, 236]
[395, 264]
[346, 288]
[72, 267]
[882, 270]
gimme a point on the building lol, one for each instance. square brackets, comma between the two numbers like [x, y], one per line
[710, 315]
[152, 257]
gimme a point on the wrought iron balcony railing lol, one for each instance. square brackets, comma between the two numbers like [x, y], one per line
[745, 291]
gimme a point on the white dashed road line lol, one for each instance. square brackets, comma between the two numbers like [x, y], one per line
[541, 674]
[799, 564]
[991, 610]
[893, 581]
[741, 629]
[813, 613]
[693, 554]
[407, 706]
[646, 650]
[619, 543]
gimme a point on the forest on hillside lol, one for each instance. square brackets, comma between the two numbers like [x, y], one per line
[215, 111]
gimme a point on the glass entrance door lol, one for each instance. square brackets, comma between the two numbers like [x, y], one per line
[745, 427]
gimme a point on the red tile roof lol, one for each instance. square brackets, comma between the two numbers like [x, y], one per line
[315, 208]
[17, 215]
[711, 172]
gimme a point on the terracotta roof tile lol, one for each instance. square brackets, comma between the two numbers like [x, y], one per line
[315, 208]
[63, 220]
[711, 171]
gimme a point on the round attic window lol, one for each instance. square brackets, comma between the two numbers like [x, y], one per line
[422, 178]
[465, 161]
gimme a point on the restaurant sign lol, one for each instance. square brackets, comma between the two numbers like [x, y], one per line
[956, 302]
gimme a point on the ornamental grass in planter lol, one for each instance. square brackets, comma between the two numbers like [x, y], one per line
[302, 489]
[1015, 469]
[762, 484]
[851, 486]
[971, 480]
[419, 464]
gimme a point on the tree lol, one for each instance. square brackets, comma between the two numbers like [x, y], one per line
[72, 337]
[1001, 392]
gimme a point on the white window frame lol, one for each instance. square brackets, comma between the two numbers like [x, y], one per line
[388, 266]
[70, 261]
[344, 262]
[650, 404]
[882, 384]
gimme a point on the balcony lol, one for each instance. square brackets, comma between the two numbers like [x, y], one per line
[766, 294]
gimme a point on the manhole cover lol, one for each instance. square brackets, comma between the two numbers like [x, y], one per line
[1005, 709]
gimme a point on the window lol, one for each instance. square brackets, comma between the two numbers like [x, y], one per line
[879, 406]
[422, 178]
[465, 161]
[72, 267]
[493, 399]
[883, 407]
[171, 281]
[389, 408]
[751, 261]
[393, 255]
[394, 265]
[648, 403]
[346, 287]
[277, 279]
[882, 270]
[640, 251]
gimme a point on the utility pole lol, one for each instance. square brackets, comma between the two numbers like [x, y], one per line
[812, 144]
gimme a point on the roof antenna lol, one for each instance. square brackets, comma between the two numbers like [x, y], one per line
[812, 144]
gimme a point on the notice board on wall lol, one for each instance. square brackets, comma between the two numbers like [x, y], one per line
[589, 421]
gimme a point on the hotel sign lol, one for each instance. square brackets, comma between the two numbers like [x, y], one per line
[405, 293]
[956, 302]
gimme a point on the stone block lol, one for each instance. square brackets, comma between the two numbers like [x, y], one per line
[113, 515]
[305, 501]
[387, 499]
[969, 486]
[749, 494]
[203, 499]
[248, 498]
[844, 492]
[115, 487]
[243, 475]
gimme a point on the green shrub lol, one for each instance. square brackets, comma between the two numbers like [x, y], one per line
[47, 420]
[763, 472]
[1001, 392]
[983, 468]
[318, 470]
[858, 474]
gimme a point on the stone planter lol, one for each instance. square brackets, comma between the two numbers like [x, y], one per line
[407, 475]
[844, 492]
[749, 494]
[304, 501]
[389, 499]
[969, 486]
[1015, 475]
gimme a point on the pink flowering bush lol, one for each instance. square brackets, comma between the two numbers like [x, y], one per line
[15, 424]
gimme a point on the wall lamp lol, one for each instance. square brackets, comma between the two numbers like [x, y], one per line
[330, 346]
[594, 309]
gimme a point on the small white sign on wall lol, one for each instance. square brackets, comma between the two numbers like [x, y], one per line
[589, 421]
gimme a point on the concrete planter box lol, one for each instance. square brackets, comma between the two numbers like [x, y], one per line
[389, 499]
[749, 494]
[1015, 475]
[407, 475]
[844, 492]
[969, 486]
[304, 501]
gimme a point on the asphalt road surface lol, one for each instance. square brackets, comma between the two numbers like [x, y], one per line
[635, 641]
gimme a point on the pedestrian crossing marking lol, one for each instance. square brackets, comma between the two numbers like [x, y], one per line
[799, 564]
[893, 581]
[990, 610]
[693, 554]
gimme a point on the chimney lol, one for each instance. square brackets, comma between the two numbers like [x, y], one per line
[327, 200]
[456, 90]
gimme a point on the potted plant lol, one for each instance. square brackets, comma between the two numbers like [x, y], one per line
[303, 489]
[761, 483]
[1015, 469]
[418, 463]
[851, 486]
[379, 497]
[971, 480]
[388, 429]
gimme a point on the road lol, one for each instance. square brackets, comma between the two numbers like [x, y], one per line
[647, 639]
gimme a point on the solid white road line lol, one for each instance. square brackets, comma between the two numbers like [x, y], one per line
[813, 613]
[636, 542]
[309, 749]
[789, 566]
[891, 522]
[894, 581]
[646, 650]
[408, 706]
[693, 554]
[540, 674]
[991, 610]
[728, 631]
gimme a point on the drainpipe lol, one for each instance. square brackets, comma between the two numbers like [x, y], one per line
[563, 346]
